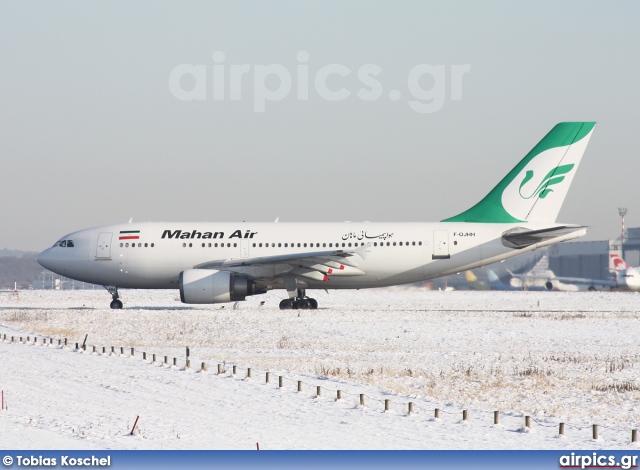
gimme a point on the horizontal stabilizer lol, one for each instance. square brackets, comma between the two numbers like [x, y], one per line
[521, 237]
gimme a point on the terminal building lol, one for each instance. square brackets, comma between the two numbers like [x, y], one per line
[591, 259]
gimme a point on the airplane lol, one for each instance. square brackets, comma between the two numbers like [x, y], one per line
[626, 278]
[496, 284]
[227, 262]
[473, 282]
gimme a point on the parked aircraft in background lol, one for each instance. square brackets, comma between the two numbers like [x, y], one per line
[494, 283]
[226, 262]
[624, 277]
[497, 284]
[627, 278]
[473, 282]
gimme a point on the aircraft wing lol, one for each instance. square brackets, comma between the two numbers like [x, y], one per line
[321, 262]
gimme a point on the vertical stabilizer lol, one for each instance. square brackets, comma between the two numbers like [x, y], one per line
[536, 188]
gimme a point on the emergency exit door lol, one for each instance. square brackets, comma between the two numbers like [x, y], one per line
[440, 244]
[103, 249]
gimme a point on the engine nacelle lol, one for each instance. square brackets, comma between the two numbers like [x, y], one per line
[208, 286]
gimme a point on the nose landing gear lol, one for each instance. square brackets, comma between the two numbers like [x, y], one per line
[116, 303]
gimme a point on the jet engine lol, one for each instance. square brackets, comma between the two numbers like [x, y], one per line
[208, 286]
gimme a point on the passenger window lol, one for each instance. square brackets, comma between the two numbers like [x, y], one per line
[279, 245]
[190, 245]
[420, 243]
[146, 245]
[235, 245]
[120, 245]
[183, 245]
[126, 245]
[152, 245]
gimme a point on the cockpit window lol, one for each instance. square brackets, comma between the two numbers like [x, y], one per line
[65, 243]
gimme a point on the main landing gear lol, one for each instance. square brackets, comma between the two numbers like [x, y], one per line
[301, 302]
[116, 303]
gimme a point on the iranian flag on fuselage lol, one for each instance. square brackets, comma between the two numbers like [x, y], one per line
[129, 235]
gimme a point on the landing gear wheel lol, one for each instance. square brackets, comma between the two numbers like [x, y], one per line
[115, 302]
[301, 301]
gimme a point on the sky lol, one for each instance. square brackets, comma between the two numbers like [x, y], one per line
[327, 111]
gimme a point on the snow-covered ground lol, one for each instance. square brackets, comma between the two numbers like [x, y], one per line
[558, 357]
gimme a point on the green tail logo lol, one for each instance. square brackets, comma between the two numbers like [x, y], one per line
[553, 177]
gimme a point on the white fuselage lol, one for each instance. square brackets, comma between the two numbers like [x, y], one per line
[152, 255]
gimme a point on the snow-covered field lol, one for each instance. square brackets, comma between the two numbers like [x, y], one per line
[558, 357]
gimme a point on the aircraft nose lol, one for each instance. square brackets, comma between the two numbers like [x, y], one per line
[45, 259]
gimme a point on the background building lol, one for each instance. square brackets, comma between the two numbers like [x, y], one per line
[583, 259]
